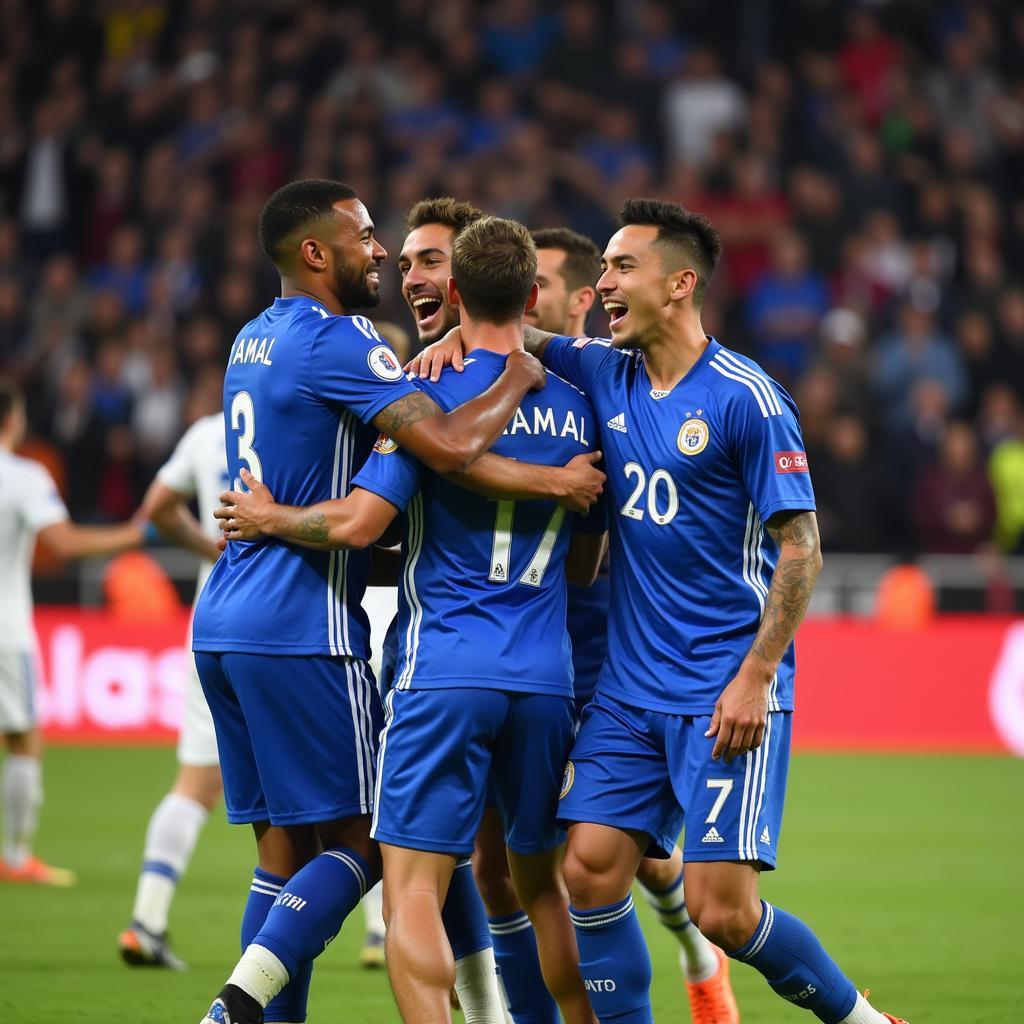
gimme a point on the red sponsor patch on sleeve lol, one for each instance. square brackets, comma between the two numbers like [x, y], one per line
[581, 343]
[791, 462]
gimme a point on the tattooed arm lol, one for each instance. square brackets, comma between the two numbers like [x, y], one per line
[742, 710]
[355, 521]
[450, 442]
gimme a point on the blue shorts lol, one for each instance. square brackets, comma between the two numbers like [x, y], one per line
[636, 769]
[438, 751]
[297, 735]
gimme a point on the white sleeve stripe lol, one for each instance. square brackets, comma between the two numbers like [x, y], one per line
[742, 380]
[729, 360]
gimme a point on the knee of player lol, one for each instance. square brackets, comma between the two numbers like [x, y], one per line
[726, 926]
[588, 878]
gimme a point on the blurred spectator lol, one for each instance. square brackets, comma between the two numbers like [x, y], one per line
[916, 351]
[517, 36]
[125, 273]
[1006, 471]
[962, 92]
[13, 323]
[975, 340]
[700, 104]
[843, 337]
[953, 507]
[785, 308]
[868, 58]
[1010, 352]
[45, 183]
[850, 487]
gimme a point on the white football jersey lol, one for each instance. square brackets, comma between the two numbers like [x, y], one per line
[198, 468]
[29, 502]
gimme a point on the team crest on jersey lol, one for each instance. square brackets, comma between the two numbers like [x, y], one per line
[693, 437]
[567, 779]
[384, 363]
[385, 445]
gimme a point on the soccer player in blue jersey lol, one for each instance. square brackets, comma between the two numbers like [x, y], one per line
[483, 686]
[279, 633]
[714, 554]
[568, 266]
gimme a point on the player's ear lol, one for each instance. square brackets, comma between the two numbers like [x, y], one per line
[453, 293]
[581, 300]
[681, 283]
[531, 299]
[313, 254]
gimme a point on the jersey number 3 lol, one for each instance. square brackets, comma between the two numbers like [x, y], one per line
[243, 422]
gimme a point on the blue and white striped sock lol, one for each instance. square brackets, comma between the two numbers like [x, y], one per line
[698, 955]
[614, 962]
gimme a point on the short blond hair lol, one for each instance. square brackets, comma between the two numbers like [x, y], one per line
[494, 263]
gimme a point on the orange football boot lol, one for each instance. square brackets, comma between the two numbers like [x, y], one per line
[35, 872]
[712, 1001]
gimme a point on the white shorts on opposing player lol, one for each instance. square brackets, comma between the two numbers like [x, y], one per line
[17, 691]
[197, 741]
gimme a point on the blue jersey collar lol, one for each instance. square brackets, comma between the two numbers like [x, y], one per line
[705, 357]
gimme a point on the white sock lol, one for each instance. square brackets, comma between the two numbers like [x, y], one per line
[697, 954]
[170, 839]
[373, 911]
[476, 982]
[259, 973]
[22, 797]
[863, 1013]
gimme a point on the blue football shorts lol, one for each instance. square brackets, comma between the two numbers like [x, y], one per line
[652, 772]
[297, 735]
[440, 748]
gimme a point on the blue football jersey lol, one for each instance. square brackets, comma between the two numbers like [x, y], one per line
[692, 477]
[300, 388]
[481, 602]
[587, 622]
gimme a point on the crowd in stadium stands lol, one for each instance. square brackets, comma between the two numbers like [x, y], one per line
[862, 162]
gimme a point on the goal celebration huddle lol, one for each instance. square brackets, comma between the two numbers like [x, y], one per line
[606, 548]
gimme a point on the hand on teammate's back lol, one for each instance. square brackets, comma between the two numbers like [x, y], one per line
[532, 365]
[243, 515]
[584, 482]
[434, 358]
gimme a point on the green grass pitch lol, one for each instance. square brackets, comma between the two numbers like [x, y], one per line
[911, 869]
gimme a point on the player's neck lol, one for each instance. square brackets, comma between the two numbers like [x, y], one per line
[321, 296]
[500, 338]
[670, 354]
[575, 327]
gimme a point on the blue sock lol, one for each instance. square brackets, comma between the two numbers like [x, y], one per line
[515, 952]
[290, 1003]
[796, 966]
[463, 914]
[614, 962]
[312, 905]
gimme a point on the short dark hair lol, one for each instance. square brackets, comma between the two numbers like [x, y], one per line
[582, 265]
[688, 236]
[494, 263]
[452, 213]
[10, 397]
[296, 207]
